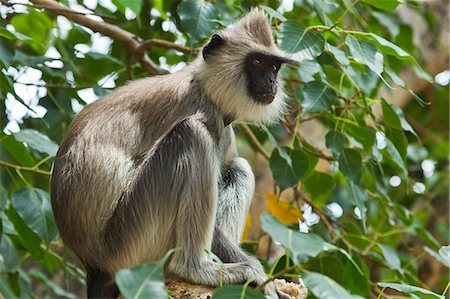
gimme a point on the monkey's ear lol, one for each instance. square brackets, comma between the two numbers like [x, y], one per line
[215, 42]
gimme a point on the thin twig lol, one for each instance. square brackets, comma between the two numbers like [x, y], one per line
[23, 168]
[248, 132]
[166, 44]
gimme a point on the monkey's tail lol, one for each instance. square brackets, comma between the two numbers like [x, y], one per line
[100, 284]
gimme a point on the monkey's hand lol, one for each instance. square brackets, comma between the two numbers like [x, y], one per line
[268, 287]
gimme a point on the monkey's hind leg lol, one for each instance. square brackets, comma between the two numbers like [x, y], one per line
[236, 188]
[100, 284]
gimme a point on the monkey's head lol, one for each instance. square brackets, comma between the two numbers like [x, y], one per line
[240, 67]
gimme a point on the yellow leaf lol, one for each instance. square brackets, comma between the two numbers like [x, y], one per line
[284, 211]
[248, 224]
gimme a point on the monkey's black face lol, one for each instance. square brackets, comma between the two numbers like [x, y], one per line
[262, 70]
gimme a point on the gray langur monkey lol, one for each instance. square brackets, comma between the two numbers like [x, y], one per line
[153, 165]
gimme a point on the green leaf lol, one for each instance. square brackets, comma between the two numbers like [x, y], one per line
[392, 49]
[6, 53]
[444, 252]
[390, 117]
[9, 254]
[37, 26]
[317, 97]
[144, 281]
[309, 69]
[30, 240]
[358, 196]
[422, 293]
[237, 292]
[33, 206]
[288, 166]
[443, 256]
[293, 37]
[13, 35]
[395, 78]
[350, 164]
[391, 258]
[404, 123]
[273, 13]
[427, 236]
[338, 54]
[389, 21]
[363, 135]
[159, 6]
[299, 244]
[324, 287]
[366, 53]
[364, 77]
[336, 142]
[384, 4]
[95, 65]
[197, 18]
[396, 156]
[18, 151]
[134, 5]
[37, 141]
[320, 186]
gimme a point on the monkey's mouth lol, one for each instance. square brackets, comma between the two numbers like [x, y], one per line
[264, 96]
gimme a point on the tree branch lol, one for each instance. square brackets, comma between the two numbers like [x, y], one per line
[163, 43]
[248, 132]
[116, 33]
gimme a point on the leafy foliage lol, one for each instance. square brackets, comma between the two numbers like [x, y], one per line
[376, 182]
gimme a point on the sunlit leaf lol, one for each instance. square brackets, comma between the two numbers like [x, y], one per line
[366, 53]
[340, 55]
[390, 257]
[197, 18]
[301, 245]
[134, 5]
[384, 4]
[248, 225]
[294, 38]
[422, 293]
[444, 252]
[143, 281]
[443, 256]
[324, 287]
[284, 211]
[37, 141]
[392, 49]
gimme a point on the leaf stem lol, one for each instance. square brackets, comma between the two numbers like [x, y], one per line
[23, 168]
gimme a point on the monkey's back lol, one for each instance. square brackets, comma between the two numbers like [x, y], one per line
[100, 152]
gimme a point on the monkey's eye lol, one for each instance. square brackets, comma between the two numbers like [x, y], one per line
[256, 62]
[274, 68]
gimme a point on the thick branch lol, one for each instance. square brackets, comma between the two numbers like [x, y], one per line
[116, 33]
